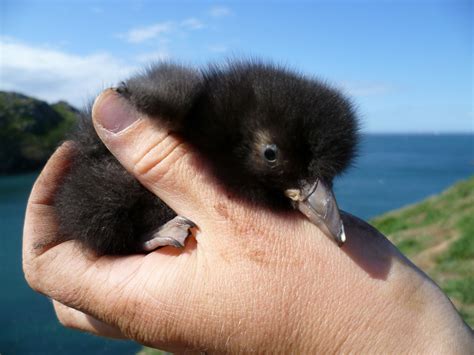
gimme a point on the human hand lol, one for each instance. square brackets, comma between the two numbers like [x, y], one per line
[251, 280]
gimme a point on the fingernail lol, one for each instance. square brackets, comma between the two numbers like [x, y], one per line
[113, 112]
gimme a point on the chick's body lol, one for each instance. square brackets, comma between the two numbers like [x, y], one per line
[262, 128]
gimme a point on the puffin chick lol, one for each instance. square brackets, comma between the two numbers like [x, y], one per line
[272, 136]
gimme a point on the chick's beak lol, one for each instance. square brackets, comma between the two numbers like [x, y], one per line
[317, 202]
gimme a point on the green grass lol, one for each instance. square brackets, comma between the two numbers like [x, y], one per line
[437, 234]
[463, 289]
[462, 248]
[410, 246]
[391, 224]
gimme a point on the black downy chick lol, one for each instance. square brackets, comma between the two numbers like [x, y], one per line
[272, 136]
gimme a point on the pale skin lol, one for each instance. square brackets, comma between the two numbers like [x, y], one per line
[249, 279]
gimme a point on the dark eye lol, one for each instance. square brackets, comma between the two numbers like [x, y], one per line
[270, 153]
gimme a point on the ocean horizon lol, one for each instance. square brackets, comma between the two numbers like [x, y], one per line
[392, 171]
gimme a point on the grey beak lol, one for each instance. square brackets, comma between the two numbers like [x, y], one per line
[317, 202]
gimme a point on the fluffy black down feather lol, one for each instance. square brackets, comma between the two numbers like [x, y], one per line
[231, 114]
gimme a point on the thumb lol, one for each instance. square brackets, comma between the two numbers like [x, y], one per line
[160, 160]
[170, 169]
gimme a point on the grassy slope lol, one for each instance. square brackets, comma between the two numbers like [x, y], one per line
[437, 234]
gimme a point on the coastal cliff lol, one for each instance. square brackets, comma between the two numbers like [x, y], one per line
[30, 130]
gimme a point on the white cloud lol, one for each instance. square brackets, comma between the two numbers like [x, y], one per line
[192, 24]
[219, 11]
[158, 31]
[141, 34]
[52, 74]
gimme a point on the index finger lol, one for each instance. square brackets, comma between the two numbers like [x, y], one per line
[39, 218]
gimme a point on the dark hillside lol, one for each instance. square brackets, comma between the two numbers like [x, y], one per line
[30, 130]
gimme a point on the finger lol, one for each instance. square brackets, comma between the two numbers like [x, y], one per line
[40, 225]
[40, 232]
[159, 160]
[74, 319]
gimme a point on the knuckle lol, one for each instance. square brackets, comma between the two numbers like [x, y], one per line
[64, 319]
[31, 280]
[62, 314]
[155, 162]
[31, 275]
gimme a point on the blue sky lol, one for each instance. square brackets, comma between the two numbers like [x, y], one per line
[407, 65]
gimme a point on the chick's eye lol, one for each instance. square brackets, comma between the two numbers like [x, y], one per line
[270, 153]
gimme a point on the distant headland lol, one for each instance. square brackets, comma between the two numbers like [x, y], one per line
[30, 131]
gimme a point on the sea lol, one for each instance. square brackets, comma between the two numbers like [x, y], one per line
[391, 171]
